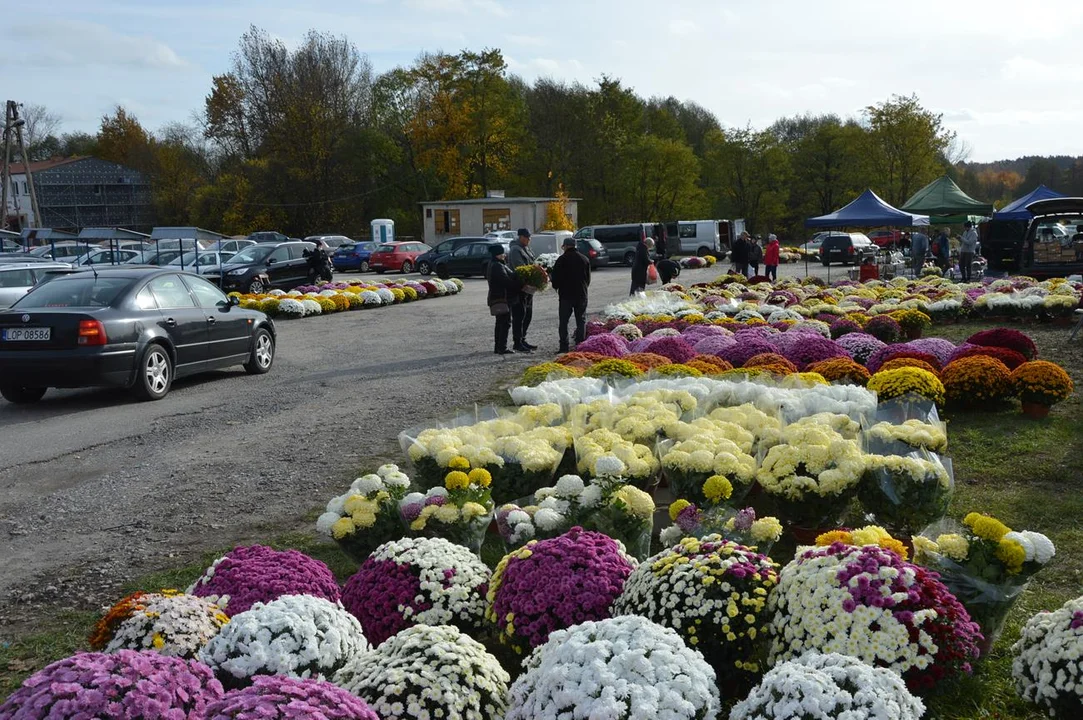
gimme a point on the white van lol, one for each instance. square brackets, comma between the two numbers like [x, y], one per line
[548, 241]
[692, 237]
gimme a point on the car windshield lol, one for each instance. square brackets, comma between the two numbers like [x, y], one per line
[251, 254]
[83, 291]
[386, 248]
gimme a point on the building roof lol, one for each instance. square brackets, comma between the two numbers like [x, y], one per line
[39, 166]
[496, 201]
[111, 233]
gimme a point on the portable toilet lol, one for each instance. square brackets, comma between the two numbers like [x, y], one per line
[383, 231]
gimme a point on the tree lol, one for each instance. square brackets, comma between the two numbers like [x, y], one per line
[556, 213]
[748, 173]
[494, 113]
[661, 176]
[907, 146]
[40, 131]
[121, 139]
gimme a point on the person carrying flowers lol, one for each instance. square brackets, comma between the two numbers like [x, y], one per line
[503, 294]
[523, 309]
[571, 278]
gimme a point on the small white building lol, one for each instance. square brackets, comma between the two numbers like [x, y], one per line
[477, 216]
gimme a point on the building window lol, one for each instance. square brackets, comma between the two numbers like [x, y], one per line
[493, 219]
[447, 221]
[25, 191]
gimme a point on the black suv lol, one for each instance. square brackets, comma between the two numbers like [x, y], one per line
[427, 263]
[259, 268]
[466, 260]
[847, 248]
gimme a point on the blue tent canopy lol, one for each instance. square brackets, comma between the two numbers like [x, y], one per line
[1017, 209]
[868, 210]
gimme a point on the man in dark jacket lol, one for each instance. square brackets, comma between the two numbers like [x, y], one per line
[667, 270]
[639, 267]
[570, 277]
[661, 242]
[739, 255]
[522, 311]
[503, 289]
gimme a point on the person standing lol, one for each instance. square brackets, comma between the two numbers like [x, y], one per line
[919, 247]
[503, 292]
[570, 277]
[523, 310]
[755, 257]
[967, 250]
[661, 242]
[943, 250]
[639, 266]
[770, 257]
[739, 254]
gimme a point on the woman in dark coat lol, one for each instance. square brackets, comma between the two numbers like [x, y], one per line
[639, 267]
[503, 291]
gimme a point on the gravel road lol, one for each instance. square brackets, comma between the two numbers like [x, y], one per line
[97, 489]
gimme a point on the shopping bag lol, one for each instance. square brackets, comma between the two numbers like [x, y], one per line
[652, 275]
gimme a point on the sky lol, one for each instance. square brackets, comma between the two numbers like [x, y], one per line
[1007, 77]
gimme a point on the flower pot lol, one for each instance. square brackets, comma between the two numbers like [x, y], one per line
[913, 333]
[1035, 411]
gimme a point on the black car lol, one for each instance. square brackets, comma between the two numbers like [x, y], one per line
[427, 263]
[259, 268]
[847, 248]
[595, 252]
[268, 236]
[137, 328]
[469, 259]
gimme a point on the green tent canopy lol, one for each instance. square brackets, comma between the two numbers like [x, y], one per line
[945, 203]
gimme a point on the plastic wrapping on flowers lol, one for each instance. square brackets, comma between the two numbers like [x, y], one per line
[623, 512]
[553, 584]
[367, 515]
[709, 467]
[460, 511]
[906, 493]
[713, 592]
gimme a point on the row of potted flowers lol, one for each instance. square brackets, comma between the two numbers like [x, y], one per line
[851, 627]
[310, 300]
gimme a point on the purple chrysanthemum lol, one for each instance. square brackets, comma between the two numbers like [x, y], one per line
[860, 345]
[248, 575]
[609, 345]
[714, 345]
[744, 349]
[284, 698]
[804, 348]
[675, 348]
[938, 347]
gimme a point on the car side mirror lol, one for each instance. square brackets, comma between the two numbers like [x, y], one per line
[233, 301]
[271, 261]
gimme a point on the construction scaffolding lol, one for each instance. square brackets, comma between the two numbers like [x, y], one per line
[88, 192]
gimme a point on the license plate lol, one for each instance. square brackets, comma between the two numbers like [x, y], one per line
[31, 334]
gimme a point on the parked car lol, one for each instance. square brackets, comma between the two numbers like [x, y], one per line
[1053, 245]
[353, 256]
[619, 240]
[205, 262]
[267, 265]
[595, 252]
[469, 259]
[397, 256]
[233, 245]
[7, 245]
[546, 241]
[60, 251]
[886, 238]
[155, 256]
[16, 279]
[427, 261]
[105, 256]
[693, 237]
[847, 248]
[136, 328]
[332, 241]
[814, 243]
[507, 236]
[21, 258]
[268, 236]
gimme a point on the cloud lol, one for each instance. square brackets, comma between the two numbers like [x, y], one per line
[527, 40]
[462, 7]
[1035, 71]
[73, 43]
[683, 28]
[545, 67]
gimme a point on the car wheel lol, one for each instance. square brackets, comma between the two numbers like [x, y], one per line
[407, 267]
[703, 252]
[155, 374]
[441, 272]
[255, 287]
[425, 269]
[363, 267]
[263, 353]
[21, 395]
[629, 258]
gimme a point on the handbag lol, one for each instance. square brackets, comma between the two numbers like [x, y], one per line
[652, 275]
[499, 308]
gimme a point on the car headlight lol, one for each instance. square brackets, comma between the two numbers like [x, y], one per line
[239, 271]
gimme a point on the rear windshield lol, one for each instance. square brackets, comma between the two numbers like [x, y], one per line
[76, 292]
[251, 254]
[386, 248]
[837, 241]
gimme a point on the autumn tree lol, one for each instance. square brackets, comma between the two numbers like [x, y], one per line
[907, 146]
[556, 213]
[123, 140]
[748, 172]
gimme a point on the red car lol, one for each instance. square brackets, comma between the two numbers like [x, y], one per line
[397, 256]
[886, 238]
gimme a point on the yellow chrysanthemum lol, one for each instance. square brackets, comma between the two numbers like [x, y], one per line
[458, 462]
[473, 510]
[895, 546]
[457, 480]
[986, 527]
[834, 536]
[1012, 555]
[364, 518]
[342, 528]
[676, 507]
[870, 535]
[481, 476]
[953, 546]
[717, 488]
[638, 502]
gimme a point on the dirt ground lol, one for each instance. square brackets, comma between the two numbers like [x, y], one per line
[97, 489]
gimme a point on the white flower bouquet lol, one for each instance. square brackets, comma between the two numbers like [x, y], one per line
[460, 511]
[366, 516]
[566, 392]
[427, 672]
[888, 438]
[295, 635]
[829, 687]
[550, 512]
[621, 668]
[623, 512]
[1047, 666]
[688, 465]
[905, 493]
[634, 461]
[812, 474]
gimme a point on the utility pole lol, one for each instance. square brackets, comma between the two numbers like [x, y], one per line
[5, 175]
[18, 124]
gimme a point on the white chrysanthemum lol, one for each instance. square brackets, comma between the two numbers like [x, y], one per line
[670, 535]
[829, 687]
[548, 519]
[290, 308]
[367, 485]
[295, 635]
[172, 624]
[385, 470]
[591, 496]
[370, 298]
[625, 667]
[609, 466]
[325, 521]
[1024, 542]
[311, 307]
[569, 485]
[1046, 667]
[386, 296]
[427, 672]
[1044, 550]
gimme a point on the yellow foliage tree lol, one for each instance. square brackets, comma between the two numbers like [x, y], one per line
[556, 212]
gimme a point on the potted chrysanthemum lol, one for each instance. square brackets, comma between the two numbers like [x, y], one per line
[1040, 385]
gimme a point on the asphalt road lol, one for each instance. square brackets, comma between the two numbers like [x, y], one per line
[97, 488]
